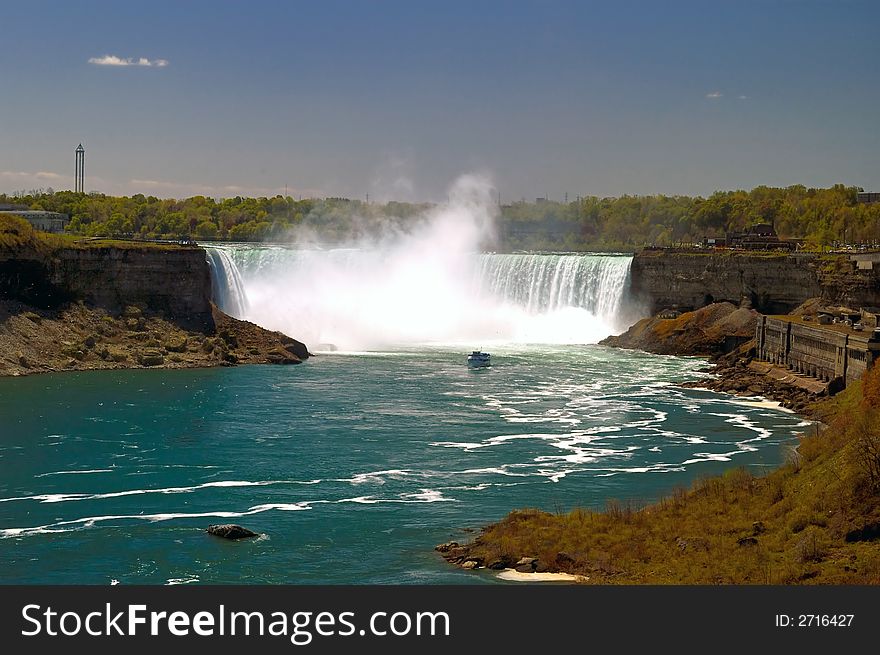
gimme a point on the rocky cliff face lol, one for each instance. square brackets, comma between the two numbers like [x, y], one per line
[771, 283]
[709, 331]
[175, 281]
[141, 307]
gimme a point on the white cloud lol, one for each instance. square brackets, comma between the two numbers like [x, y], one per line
[713, 95]
[24, 175]
[181, 190]
[11, 181]
[741, 97]
[113, 60]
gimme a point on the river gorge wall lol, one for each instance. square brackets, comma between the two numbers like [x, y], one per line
[173, 280]
[95, 306]
[769, 282]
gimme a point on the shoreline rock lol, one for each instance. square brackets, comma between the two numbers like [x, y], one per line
[710, 331]
[80, 337]
[740, 378]
[724, 334]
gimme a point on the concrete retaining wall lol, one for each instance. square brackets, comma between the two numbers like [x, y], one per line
[827, 354]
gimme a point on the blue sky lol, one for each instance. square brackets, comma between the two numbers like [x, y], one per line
[396, 99]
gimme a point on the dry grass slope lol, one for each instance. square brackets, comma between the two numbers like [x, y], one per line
[700, 332]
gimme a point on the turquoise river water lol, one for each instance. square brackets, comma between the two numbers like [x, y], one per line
[352, 466]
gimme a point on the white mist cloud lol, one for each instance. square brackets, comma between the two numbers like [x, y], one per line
[392, 180]
[396, 287]
[113, 60]
[425, 284]
[714, 95]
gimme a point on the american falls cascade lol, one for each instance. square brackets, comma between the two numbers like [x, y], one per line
[227, 287]
[367, 299]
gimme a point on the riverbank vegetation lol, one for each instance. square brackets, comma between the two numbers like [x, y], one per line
[820, 216]
[18, 238]
[814, 520]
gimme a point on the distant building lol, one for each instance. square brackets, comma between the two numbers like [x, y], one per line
[761, 236]
[868, 197]
[538, 201]
[866, 261]
[41, 220]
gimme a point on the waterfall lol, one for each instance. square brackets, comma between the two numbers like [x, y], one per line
[550, 283]
[361, 299]
[227, 287]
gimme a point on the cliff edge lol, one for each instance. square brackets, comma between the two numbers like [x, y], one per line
[82, 304]
[771, 282]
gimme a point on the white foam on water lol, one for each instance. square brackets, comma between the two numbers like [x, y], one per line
[422, 496]
[760, 402]
[375, 477]
[187, 580]
[67, 497]
[495, 470]
[476, 487]
[361, 500]
[281, 507]
[75, 472]
[92, 521]
[656, 468]
[428, 496]
[743, 421]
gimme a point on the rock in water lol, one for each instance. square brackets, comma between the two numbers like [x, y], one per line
[230, 531]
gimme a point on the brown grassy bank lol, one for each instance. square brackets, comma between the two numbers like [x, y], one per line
[703, 332]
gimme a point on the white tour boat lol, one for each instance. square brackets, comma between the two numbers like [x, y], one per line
[478, 359]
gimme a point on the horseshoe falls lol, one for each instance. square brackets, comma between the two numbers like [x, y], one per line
[361, 300]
